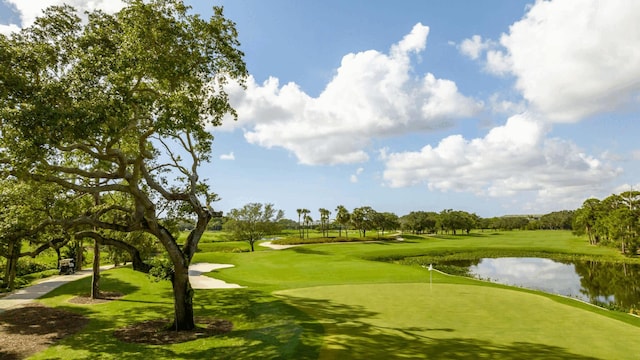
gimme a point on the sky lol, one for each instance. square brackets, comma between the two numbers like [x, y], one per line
[496, 107]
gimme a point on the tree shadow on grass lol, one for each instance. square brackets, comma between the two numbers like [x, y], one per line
[264, 327]
[108, 282]
[352, 333]
[269, 327]
[306, 250]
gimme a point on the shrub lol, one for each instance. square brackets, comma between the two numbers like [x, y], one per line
[30, 266]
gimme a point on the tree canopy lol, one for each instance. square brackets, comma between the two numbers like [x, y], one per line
[122, 104]
[614, 220]
[253, 222]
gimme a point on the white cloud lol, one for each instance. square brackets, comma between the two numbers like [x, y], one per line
[624, 188]
[354, 177]
[574, 58]
[229, 156]
[500, 105]
[372, 95]
[474, 47]
[29, 10]
[511, 159]
[8, 29]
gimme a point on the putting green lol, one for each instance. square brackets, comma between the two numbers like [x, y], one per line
[448, 321]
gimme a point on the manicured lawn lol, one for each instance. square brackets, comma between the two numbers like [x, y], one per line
[331, 302]
[264, 326]
[453, 321]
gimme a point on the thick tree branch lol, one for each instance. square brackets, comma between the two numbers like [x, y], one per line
[136, 258]
[53, 244]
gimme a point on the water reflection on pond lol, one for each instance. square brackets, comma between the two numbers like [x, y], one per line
[605, 284]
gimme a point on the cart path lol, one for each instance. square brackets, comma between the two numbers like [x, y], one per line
[30, 293]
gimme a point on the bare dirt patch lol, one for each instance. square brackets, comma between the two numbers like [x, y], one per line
[27, 330]
[105, 296]
[157, 332]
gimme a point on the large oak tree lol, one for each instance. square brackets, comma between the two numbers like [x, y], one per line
[122, 104]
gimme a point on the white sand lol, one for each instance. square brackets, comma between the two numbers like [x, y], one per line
[274, 246]
[199, 281]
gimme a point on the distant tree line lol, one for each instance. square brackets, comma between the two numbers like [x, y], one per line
[365, 218]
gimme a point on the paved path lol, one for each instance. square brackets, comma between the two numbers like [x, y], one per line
[30, 293]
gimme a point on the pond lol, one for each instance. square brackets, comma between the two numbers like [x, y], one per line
[609, 285]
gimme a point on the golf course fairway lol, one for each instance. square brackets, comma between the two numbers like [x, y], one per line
[453, 321]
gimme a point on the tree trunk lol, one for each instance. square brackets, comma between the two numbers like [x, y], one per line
[79, 254]
[183, 300]
[12, 264]
[95, 280]
[57, 249]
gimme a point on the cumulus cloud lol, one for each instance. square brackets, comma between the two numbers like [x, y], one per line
[572, 58]
[475, 46]
[229, 156]
[354, 177]
[8, 29]
[371, 95]
[514, 158]
[29, 10]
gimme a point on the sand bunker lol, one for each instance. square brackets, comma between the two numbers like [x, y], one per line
[199, 281]
[274, 246]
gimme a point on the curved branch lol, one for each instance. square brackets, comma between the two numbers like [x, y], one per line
[55, 243]
[79, 188]
[87, 174]
[136, 258]
[168, 195]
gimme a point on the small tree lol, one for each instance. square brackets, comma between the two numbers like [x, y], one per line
[363, 219]
[386, 221]
[253, 222]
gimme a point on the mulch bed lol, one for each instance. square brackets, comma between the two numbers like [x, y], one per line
[27, 330]
[32, 328]
[157, 332]
[105, 296]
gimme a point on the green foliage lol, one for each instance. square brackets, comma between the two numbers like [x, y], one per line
[253, 222]
[612, 221]
[30, 266]
[327, 240]
[107, 108]
[420, 222]
[161, 269]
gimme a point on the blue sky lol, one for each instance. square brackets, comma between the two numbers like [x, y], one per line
[493, 107]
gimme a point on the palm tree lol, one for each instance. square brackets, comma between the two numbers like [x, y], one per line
[324, 221]
[343, 217]
[304, 213]
[307, 221]
[299, 224]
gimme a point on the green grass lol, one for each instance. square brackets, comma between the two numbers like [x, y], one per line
[264, 325]
[332, 301]
[453, 321]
